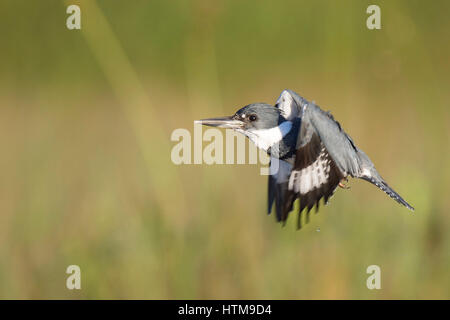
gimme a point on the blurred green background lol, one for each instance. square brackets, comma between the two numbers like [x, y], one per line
[86, 176]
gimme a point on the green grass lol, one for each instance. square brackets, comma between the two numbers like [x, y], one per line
[85, 124]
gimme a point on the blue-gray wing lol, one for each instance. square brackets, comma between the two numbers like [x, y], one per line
[314, 120]
[315, 173]
[348, 158]
[325, 155]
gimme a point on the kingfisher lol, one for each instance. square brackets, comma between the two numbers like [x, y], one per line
[310, 153]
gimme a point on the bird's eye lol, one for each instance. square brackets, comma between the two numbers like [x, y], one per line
[252, 117]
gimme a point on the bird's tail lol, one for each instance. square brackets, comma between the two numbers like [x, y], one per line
[369, 173]
[380, 183]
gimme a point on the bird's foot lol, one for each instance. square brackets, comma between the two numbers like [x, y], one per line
[344, 185]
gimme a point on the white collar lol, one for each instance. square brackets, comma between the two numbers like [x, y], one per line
[265, 138]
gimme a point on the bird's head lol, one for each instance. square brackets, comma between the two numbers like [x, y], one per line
[261, 122]
[253, 117]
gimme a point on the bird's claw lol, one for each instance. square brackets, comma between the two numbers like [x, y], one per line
[344, 185]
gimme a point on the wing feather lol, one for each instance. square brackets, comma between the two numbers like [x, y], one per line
[278, 190]
[325, 155]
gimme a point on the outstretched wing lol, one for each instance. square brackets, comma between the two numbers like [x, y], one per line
[314, 120]
[349, 159]
[325, 155]
[315, 174]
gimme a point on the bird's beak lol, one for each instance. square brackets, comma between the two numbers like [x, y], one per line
[223, 122]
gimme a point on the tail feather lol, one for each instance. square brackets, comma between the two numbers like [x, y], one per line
[380, 183]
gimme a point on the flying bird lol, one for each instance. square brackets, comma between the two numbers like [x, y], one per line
[310, 154]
